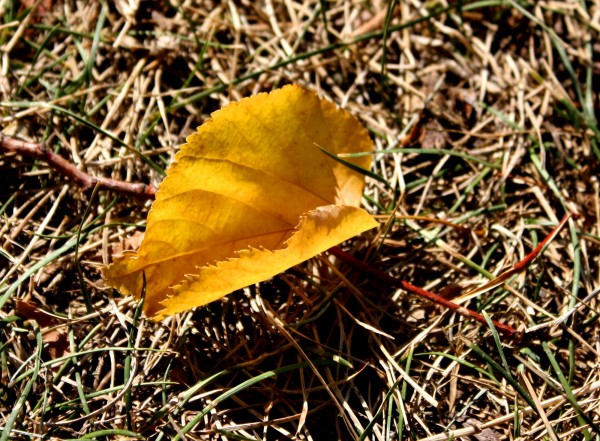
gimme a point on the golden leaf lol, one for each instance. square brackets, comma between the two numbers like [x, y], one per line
[247, 197]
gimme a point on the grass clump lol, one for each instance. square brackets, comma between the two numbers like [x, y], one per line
[484, 114]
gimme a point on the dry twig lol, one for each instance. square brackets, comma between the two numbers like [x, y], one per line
[40, 150]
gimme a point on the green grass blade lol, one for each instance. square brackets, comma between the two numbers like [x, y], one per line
[505, 374]
[568, 391]
[244, 385]
[24, 395]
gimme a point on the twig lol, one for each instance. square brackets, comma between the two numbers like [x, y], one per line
[40, 150]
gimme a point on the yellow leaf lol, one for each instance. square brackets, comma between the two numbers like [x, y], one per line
[247, 197]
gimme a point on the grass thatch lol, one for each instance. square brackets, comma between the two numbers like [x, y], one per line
[484, 114]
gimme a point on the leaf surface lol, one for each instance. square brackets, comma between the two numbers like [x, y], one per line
[248, 196]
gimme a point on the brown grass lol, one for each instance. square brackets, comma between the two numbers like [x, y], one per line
[510, 87]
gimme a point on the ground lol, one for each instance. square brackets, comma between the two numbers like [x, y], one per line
[482, 113]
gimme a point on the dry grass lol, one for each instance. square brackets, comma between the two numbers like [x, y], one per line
[115, 88]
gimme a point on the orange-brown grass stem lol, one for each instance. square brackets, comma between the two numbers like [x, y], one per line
[497, 281]
[41, 151]
[387, 279]
[523, 264]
